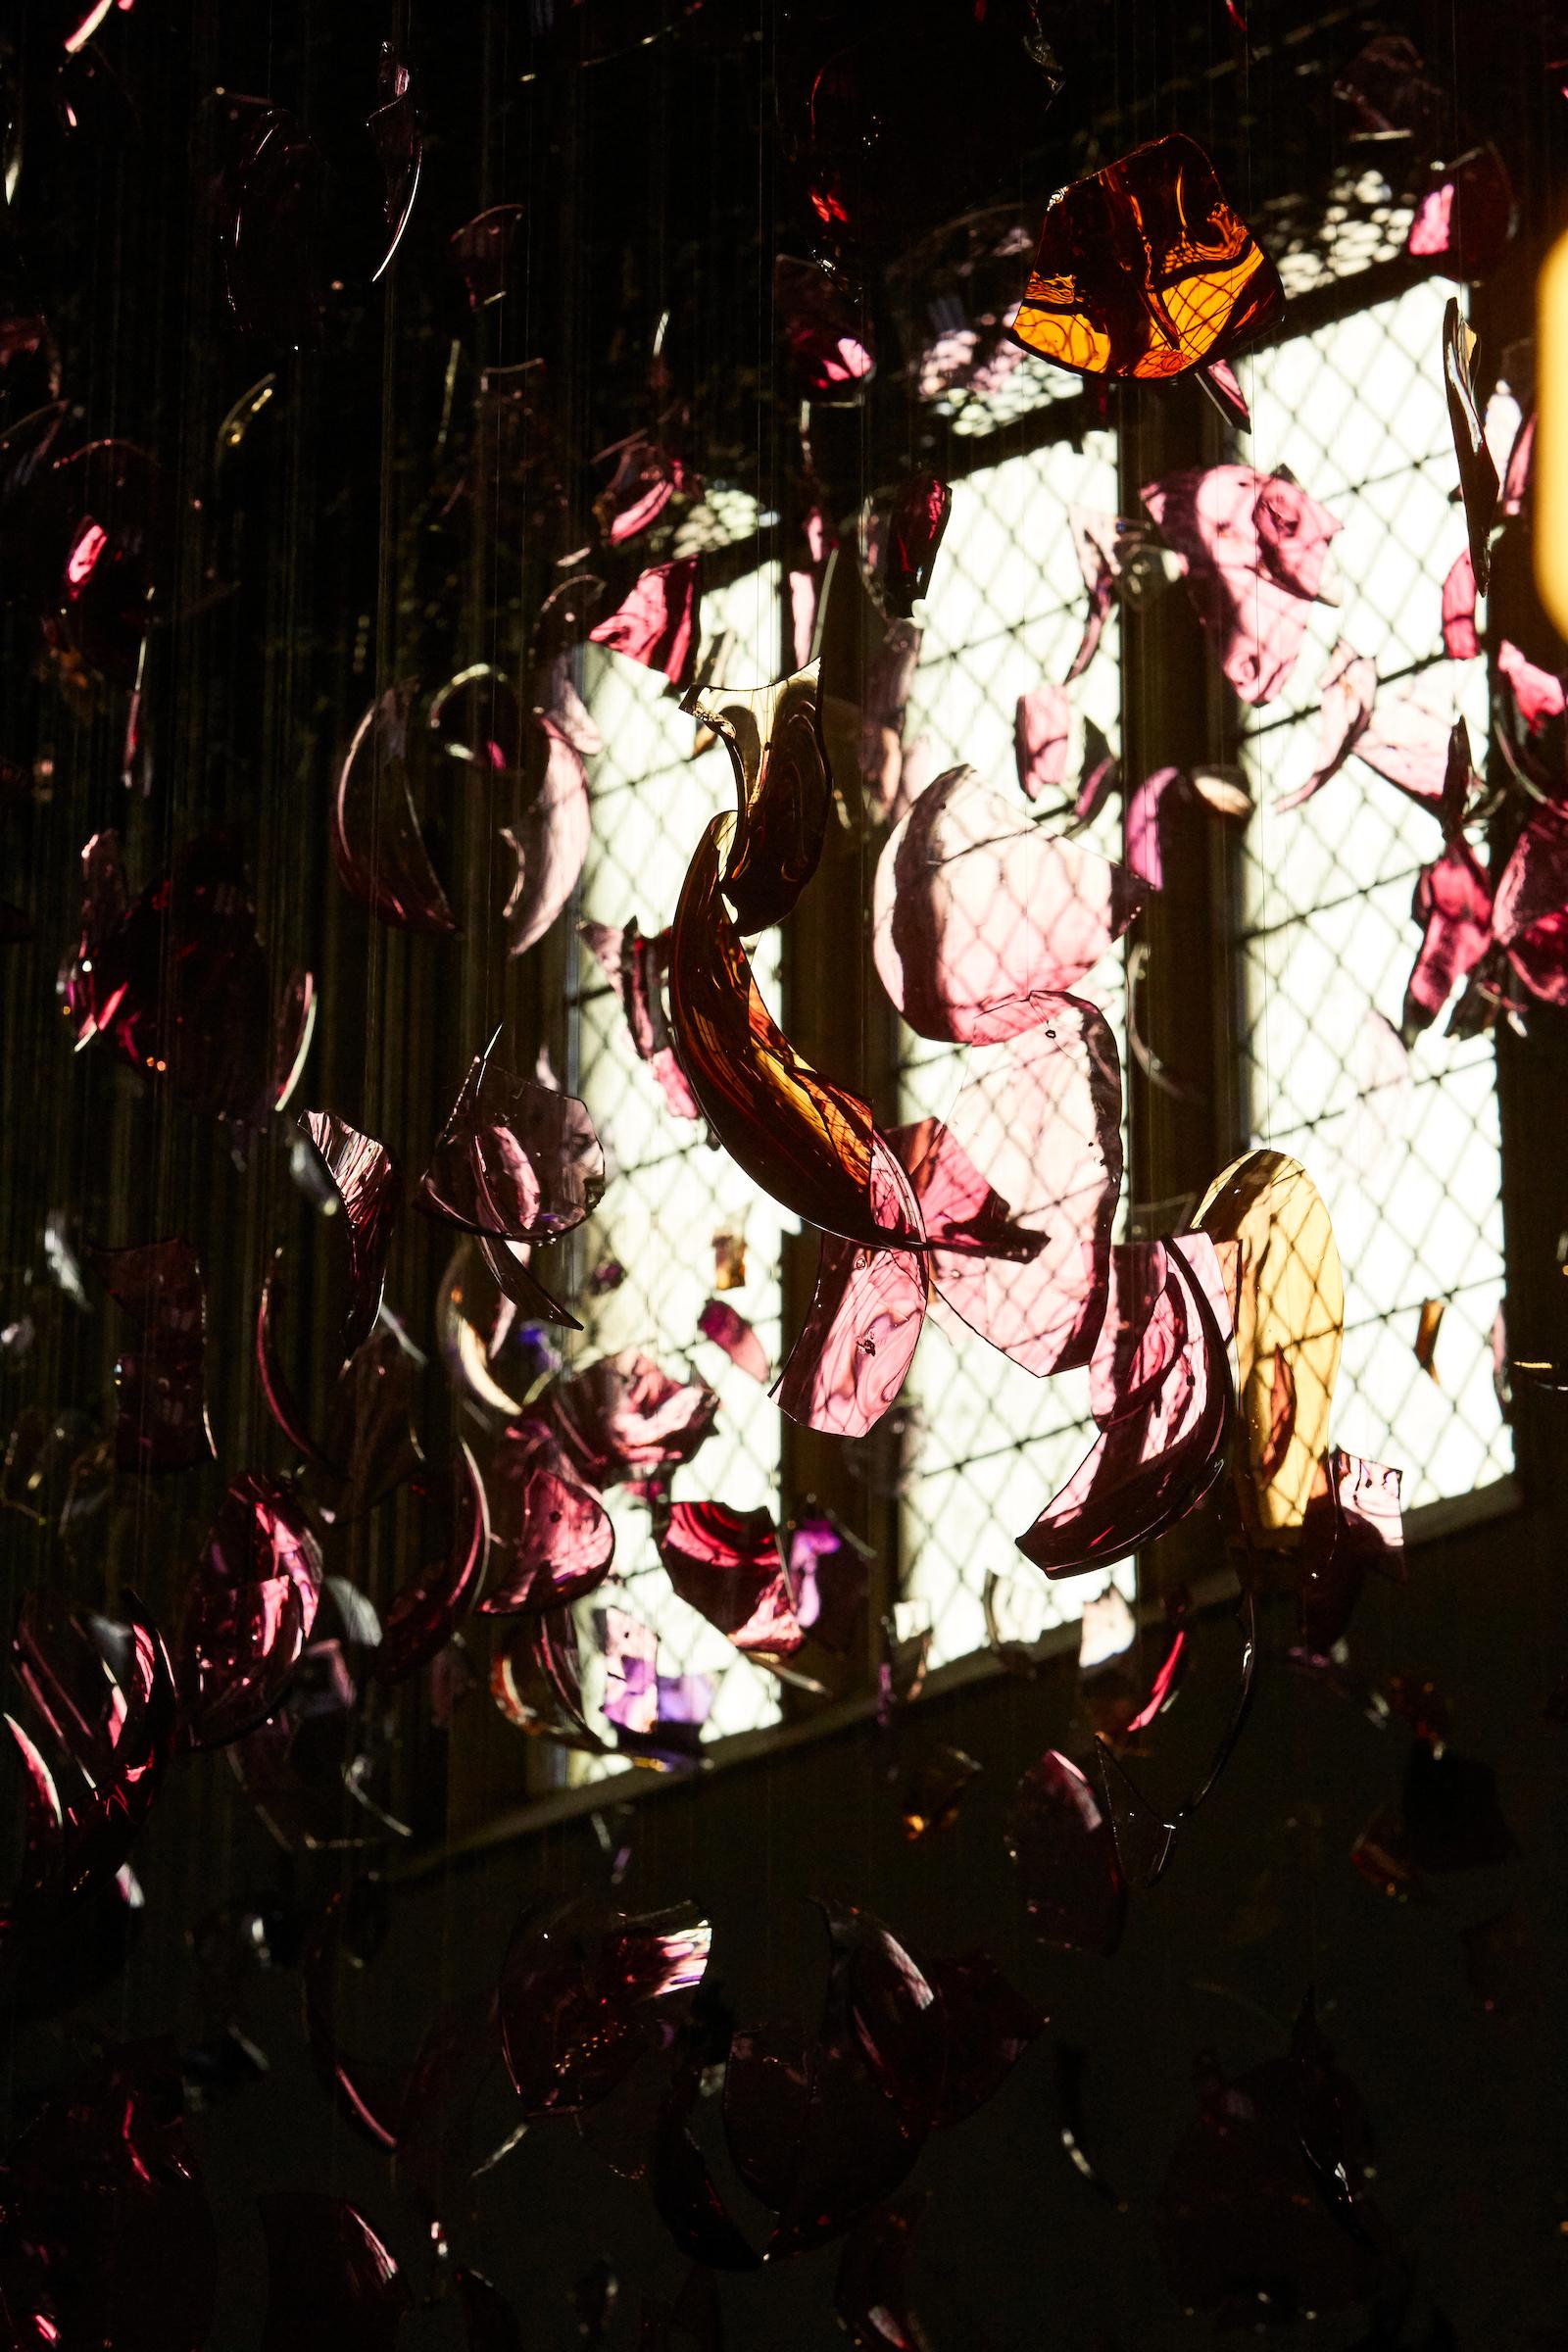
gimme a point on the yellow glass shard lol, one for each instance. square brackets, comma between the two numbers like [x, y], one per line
[1551, 435]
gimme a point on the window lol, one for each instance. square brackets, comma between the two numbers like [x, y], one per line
[1410, 1166]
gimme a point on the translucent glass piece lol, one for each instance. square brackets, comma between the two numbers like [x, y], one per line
[378, 846]
[366, 1181]
[1061, 1844]
[161, 1420]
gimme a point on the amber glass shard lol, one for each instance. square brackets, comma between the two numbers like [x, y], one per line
[808, 1143]
[332, 2287]
[1018, 1188]
[1478, 475]
[783, 789]
[427, 1610]
[108, 2238]
[867, 1310]
[1145, 270]
[268, 206]
[1061, 1843]
[899, 533]
[365, 1179]
[248, 1612]
[655, 622]
[1290, 1305]
[378, 846]
[1256, 549]
[932, 1796]
[548, 835]
[981, 920]
[1151, 1464]
[585, 1991]
[161, 1421]
[729, 1565]
[1530, 913]
[729, 1330]
[516, 1160]
[553, 1538]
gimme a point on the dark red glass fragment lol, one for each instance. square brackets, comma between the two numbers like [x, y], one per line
[161, 1421]
[1061, 1841]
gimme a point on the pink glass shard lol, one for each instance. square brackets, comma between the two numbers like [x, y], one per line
[378, 846]
[1465, 221]
[427, 1610]
[101, 1703]
[980, 920]
[1062, 1847]
[1157, 1458]
[1452, 904]
[988, 2028]
[1412, 744]
[826, 329]
[848, 1366]
[636, 968]
[727, 1565]
[365, 1179]
[1018, 1188]
[332, 2287]
[1530, 913]
[623, 1418]
[1256, 549]
[729, 1329]
[268, 204]
[1478, 475]
[1461, 641]
[1220, 381]
[585, 1991]
[161, 1419]
[646, 477]
[99, 526]
[517, 1161]
[1354, 1525]
[1140, 826]
[655, 622]
[396, 134]
[548, 837]
[901, 532]
[1538, 695]
[829, 1573]
[536, 1681]
[1111, 550]
[249, 1611]
[807, 1141]
[872, 2295]
[807, 583]
[108, 2238]
[1347, 689]
[481, 251]
[1042, 728]
[552, 1536]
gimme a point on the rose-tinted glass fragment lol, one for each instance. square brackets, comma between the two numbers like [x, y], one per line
[623, 1418]
[1530, 913]
[268, 209]
[901, 532]
[1255, 547]
[548, 836]
[517, 1161]
[847, 1368]
[249, 1611]
[396, 134]
[332, 2287]
[806, 1140]
[481, 250]
[980, 919]
[378, 846]
[872, 2295]
[425, 1612]
[1465, 219]
[1223, 386]
[161, 1421]
[1041, 730]
[536, 1680]
[1478, 475]
[655, 622]
[1460, 639]
[729, 1329]
[783, 790]
[646, 477]
[585, 1991]
[636, 968]
[729, 1565]
[1061, 1843]
[551, 1536]
[1353, 1524]
[1152, 1463]
[108, 2237]
[365, 1179]
[826, 328]
[1145, 270]
[829, 1573]
[1454, 906]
